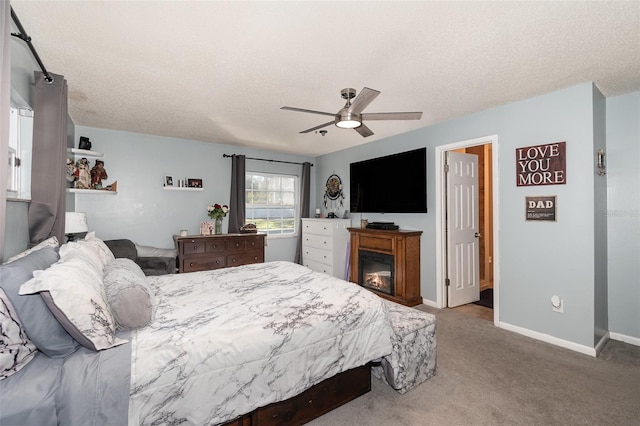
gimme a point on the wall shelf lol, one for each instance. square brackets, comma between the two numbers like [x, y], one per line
[84, 152]
[91, 191]
[181, 188]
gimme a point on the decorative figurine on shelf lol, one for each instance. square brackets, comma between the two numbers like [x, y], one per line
[83, 174]
[97, 174]
[84, 143]
[71, 169]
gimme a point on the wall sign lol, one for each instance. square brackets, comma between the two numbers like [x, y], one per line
[541, 165]
[541, 208]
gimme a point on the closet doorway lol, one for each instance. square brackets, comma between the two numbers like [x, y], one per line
[485, 150]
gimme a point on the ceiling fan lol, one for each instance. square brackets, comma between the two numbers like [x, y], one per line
[351, 115]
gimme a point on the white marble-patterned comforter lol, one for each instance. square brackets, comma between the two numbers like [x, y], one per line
[228, 341]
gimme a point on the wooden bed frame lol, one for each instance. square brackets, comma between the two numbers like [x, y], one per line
[312, 403]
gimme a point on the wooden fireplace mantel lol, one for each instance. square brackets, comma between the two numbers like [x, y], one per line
[405, 248]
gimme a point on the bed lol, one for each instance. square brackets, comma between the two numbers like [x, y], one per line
[205, 347]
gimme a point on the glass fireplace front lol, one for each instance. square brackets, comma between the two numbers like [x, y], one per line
[375, 271]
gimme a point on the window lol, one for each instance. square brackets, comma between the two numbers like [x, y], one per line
[20, 143]
[271, 203]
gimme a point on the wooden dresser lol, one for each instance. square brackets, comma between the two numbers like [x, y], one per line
[202, 253]
[324, 245]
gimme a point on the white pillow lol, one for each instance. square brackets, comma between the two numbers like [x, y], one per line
[103, 251]
[92, 248]
[49, 242]
[16, 350]
[75, 295]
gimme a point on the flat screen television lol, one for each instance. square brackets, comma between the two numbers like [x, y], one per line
[392, 184]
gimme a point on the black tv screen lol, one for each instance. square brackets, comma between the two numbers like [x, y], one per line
[392, 184]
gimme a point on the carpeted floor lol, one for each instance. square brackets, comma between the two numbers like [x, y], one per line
[489, 376]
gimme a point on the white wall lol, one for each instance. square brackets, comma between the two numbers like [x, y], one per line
[623, 214]
[537, 260]
[143, 212]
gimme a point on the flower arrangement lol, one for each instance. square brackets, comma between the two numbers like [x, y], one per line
[217, 211]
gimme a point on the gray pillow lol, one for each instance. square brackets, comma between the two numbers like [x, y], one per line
[37, 320]
[129, 296]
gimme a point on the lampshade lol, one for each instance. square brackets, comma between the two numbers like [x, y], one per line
[348, 120]
[75, 223]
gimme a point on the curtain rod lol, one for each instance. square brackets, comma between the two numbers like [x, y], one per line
[265, 159]
[22, 35]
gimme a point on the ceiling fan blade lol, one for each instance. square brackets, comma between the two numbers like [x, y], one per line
[307, 110]
[318, 127]
[392, 116]
[363, 99]
[363, 130]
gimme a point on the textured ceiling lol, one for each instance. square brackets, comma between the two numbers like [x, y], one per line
[220, 71]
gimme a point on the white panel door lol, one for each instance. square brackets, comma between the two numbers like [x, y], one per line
[463, 253]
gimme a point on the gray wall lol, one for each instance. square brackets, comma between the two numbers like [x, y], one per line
[600, 307]
[537, 260]
[623, 214]
[145, 213]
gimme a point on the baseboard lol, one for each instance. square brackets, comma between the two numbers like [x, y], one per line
[550, 339]
[603, 341]
[624, 338]
[430, 303]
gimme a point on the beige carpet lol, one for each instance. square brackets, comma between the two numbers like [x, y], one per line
[489, 376]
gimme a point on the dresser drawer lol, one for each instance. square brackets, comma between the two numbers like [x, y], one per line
[235, 244]
[244, 258]
[318, 228]
[318, 267]
[318, 241]
[317, 255]
[193, 246]
[218, 246]
[202, 264]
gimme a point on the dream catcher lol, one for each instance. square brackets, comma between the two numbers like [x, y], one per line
[333, 190]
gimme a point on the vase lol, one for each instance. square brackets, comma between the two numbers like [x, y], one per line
[218, 228]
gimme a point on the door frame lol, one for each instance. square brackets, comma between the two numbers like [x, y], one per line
[441, 205]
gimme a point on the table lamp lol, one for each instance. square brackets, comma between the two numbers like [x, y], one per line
[75, 225]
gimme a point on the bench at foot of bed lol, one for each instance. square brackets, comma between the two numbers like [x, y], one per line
[413, 359]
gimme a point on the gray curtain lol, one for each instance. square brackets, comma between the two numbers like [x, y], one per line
[47, 207]
[237, 198]
[5, 90]
[305, 191]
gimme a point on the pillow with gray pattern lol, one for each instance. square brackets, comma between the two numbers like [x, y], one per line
[16, 350]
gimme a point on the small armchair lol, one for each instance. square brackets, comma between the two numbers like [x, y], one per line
[152, 260]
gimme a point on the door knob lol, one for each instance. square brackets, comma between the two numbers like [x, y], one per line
[478, 235]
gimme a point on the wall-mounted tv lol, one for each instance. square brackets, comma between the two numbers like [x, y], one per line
[392, 184]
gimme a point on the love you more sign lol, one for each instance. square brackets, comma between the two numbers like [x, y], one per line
[541, 165]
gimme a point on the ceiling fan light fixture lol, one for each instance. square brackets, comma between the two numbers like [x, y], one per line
[347, 120]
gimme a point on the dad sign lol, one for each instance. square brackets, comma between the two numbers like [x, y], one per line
[541, 208]
[541, 165]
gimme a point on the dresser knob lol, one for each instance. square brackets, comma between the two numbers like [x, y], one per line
[191, 264]
[195, 247]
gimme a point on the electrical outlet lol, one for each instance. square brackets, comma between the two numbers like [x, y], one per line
[557, 304]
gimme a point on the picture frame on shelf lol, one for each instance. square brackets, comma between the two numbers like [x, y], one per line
[168, 180]
[194, 183]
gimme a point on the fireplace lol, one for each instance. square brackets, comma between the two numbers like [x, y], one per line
[376, 271]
